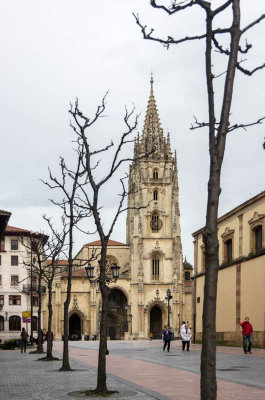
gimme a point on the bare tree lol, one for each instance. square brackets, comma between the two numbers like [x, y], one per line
[55, 250]
[90, 200]
[217, 140]
[36, 247]
[68, 184]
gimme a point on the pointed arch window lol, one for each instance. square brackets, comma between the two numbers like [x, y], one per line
[156, 222]
[155, 174]
[155, 195]
[155, 267]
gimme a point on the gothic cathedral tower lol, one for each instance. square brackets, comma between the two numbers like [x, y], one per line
[153, 231]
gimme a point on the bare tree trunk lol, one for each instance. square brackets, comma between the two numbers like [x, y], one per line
[49, 341]
[210, 238]
[101, 381]
[40, 335]
[66, 364]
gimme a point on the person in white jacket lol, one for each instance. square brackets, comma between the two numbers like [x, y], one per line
[185, 336]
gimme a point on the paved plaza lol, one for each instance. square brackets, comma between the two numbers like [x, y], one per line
[136, 369]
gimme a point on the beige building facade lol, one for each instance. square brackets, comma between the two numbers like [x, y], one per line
[151, 259]
[241, 274]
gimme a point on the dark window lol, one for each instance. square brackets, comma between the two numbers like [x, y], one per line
[2, 299]
[228, 245]
[34, 323]
[155, 194]
[0, 280]
[2, 244]
[187, 276]
[14, 260]
[198, 299]
[14, 300]
[155, 174]
[15, 323]
[2, 323]
[156, 267]
[258, 238]
[0, 259]
[35, 300]
[14, 244]
[14, 280]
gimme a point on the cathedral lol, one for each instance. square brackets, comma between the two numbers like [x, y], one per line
[151, 260]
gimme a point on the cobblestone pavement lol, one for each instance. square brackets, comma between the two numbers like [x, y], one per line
[23, 377]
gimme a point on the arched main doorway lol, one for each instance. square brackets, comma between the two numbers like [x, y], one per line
[74, 327]
[156, 322]
[117, 323]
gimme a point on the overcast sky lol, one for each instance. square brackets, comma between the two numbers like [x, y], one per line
[53, 51]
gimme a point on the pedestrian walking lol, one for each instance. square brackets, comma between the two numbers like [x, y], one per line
[166, 337]
[24, 339]
[185, 337]
[247, 331]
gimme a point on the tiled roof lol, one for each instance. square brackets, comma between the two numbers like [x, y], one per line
[14, 229]
[58, 262]
[110, 243]
[77, 272]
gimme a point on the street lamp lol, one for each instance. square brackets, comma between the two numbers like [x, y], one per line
[168, 298]
[115, 269]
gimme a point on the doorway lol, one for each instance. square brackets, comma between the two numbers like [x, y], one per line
[117, 323]
[156, 322]
[74, 327]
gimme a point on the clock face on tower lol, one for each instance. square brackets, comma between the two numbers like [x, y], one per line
[156, 222]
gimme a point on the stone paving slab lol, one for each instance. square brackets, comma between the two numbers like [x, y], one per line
[23, 377]
[152, 373]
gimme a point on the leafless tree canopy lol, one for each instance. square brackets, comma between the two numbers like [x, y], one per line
[218, 128]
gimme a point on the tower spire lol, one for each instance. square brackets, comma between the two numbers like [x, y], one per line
[152, 136]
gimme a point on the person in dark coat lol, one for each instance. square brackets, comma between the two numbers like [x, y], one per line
[24, 339]
[166, 337]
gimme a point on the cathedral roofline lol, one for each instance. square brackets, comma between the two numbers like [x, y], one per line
[110, 243]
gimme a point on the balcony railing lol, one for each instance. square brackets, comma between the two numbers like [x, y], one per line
[26, 288]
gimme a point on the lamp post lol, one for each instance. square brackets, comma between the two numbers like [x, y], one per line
[126, 318]
[179, 322]
[168, 298]
[115, 269]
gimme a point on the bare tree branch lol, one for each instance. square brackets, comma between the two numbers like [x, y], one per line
[244, 126]
[257, 21]
[247, 72]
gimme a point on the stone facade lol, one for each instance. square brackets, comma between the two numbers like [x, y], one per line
[241, 275]
[151, 260]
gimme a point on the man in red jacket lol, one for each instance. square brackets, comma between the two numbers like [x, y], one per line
[247, 331]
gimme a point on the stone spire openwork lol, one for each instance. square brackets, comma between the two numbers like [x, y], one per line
[152, 141]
